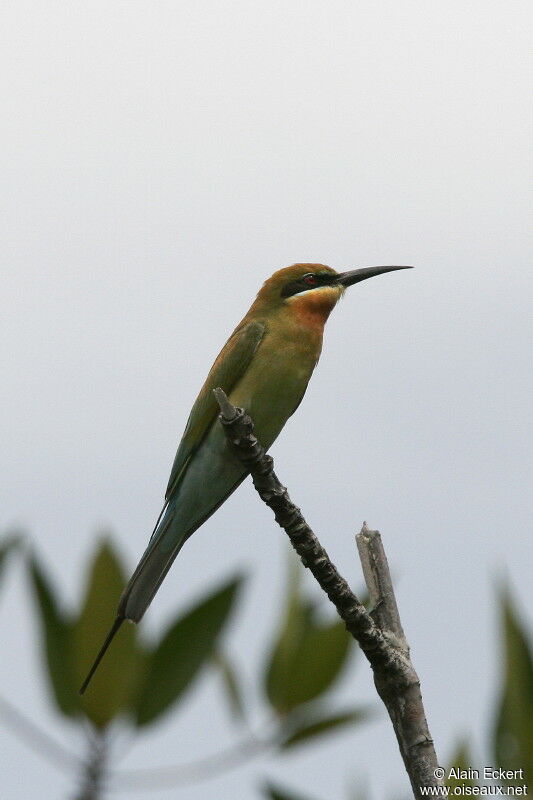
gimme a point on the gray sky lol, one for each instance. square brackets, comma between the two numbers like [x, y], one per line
[159, 161]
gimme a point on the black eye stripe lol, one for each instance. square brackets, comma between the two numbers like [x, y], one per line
[311, 280]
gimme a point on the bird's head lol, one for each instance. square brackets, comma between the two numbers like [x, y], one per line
[311, 291]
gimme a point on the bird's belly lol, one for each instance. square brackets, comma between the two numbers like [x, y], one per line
[212, 474]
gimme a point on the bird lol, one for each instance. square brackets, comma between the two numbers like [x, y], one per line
[264, 367]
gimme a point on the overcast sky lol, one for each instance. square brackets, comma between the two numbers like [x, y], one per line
[159, 161]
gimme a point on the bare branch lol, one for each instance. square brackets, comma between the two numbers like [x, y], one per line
[403, 704]
[378, 580]
[380, 634]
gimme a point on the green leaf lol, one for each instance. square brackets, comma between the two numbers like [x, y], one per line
[310, 728]
[307, 656]
[460, 766]
[182, 652]
[273, 792]
[56, 639]
[230, 683]
[276, 792]
[113, 685]
[513, 730]
[8, 544]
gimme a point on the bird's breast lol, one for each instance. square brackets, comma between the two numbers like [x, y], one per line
[275, 383]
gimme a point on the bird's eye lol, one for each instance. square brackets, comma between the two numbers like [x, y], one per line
[310, 279]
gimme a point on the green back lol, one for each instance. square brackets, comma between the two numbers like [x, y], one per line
[230, 365]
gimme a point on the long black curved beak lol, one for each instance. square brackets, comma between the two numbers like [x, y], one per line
[356, 275]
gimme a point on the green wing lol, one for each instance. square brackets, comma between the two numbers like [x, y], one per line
[230, 365]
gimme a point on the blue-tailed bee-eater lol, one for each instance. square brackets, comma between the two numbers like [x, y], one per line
[264, 367]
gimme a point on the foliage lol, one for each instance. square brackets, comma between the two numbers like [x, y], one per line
[460, 767]
[306, 659]
[511, 742]
[513, 729]
[138, 682]
[183, 650]
[275, 792]
[512, 736]
[308, 654]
